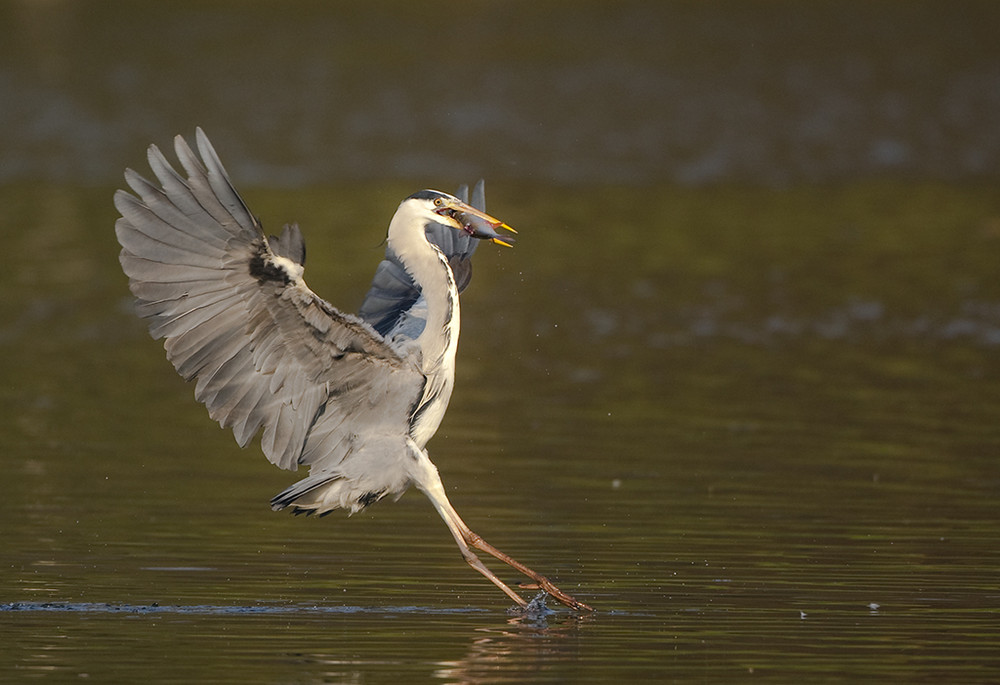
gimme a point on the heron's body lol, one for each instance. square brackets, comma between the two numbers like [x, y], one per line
[355, 399]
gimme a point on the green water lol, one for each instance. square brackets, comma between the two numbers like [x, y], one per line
[736, 387]
[755, 429]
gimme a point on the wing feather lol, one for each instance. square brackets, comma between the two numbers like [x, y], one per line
[265, 352]
[219, 180]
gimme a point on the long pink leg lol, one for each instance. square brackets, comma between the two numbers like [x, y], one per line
[431, 485]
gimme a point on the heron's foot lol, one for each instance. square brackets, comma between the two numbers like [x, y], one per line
[535, 609]
[541, 582]
[548, 587]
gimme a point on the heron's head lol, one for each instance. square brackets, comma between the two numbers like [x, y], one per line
[447, 209]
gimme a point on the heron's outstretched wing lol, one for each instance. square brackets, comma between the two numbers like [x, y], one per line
[393, 305]
[237, 316]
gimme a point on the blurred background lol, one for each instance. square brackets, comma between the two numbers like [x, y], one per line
[736, 386]
[547, 92]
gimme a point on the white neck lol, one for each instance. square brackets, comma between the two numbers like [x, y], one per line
[429, 269]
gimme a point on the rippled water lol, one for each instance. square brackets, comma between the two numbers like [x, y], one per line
[755, 426]
[758, 439]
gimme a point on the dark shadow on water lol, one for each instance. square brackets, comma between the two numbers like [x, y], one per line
[209, 609]
[537, 617]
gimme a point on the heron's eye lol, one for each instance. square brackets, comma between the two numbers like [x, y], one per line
[438, 202]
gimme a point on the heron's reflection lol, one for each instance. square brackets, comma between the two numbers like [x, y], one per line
[512, 652]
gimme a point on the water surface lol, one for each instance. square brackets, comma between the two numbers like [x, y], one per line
[736, 387]
[744, 469]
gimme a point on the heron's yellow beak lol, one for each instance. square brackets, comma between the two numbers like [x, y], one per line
[476, 223]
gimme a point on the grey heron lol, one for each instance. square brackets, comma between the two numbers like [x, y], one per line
[354, 398]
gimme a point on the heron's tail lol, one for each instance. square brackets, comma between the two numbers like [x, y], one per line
[321, 493]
